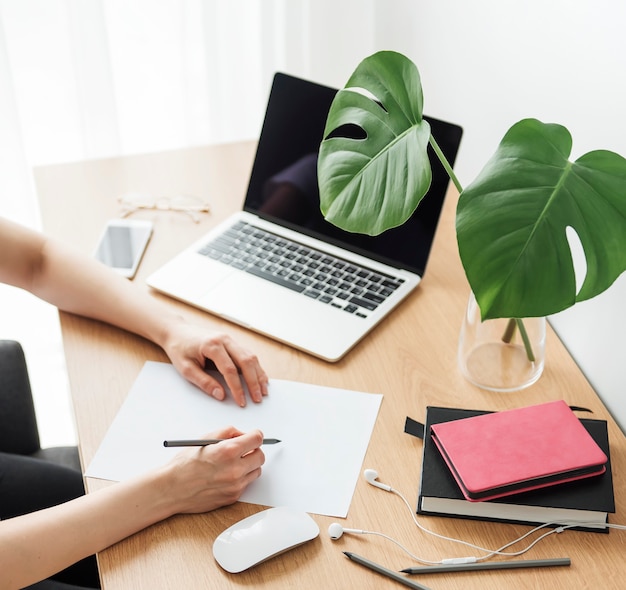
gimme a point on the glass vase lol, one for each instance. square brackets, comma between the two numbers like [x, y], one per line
[501, 354]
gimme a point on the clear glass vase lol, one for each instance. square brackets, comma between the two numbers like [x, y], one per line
[501, 354]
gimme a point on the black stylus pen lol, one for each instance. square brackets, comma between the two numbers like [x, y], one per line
[384, 571]
[203, 442]
[496, 565]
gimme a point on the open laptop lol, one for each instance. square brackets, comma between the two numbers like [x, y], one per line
[278, 268]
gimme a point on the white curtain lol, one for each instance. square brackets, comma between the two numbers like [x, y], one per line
[82, 79]
[95, 78]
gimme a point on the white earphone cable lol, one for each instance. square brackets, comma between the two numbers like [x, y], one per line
[490, 552]
[407, 551]
[371, 477]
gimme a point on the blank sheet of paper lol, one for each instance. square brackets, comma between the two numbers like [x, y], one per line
[324, 432]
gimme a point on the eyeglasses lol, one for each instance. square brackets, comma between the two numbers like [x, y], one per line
[192, 206]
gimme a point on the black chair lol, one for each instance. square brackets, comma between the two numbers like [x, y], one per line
[18, 424]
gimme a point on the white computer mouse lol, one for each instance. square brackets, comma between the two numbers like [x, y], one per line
[263, 536]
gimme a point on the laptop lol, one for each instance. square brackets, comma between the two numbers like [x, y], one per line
[278, 268]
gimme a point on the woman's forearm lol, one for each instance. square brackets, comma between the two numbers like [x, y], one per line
[37, 545]
[79, 285]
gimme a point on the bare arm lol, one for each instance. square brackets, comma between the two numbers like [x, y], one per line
[37, 545]
[83, 286]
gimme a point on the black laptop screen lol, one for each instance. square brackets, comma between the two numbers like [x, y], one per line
[283, 184]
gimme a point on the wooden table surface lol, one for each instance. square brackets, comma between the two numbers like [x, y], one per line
[410, 358]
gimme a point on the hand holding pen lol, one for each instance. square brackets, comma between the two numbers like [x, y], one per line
[215, 475]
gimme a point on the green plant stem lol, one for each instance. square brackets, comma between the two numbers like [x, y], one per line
[510, 331]
[513, 322]
[445, 163]
[526, 340]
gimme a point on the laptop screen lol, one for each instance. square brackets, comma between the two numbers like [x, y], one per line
[283, 184]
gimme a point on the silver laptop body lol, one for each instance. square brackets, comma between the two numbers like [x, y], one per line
[278, 267]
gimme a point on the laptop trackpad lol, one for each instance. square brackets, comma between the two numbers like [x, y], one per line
[284, 315]
[248, 300]
[189, 281]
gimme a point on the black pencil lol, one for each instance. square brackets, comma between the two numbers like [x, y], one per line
[208, 441]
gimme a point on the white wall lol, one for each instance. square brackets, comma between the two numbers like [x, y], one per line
[485, 64]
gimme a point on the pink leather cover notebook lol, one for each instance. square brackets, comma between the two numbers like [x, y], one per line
[503, 453]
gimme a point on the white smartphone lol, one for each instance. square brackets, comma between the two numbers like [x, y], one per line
[123, 243]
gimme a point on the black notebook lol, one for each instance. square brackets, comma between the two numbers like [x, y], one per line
[589, 500]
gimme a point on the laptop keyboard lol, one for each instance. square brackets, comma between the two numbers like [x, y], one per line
[330, 280]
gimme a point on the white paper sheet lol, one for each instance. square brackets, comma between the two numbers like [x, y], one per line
[324, 432]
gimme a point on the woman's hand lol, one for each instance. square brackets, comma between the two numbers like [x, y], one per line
[199, 479]
[80, 285]
[205, 478]
[189, 347]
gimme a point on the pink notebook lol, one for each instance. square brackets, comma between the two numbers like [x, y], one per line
[503, 453]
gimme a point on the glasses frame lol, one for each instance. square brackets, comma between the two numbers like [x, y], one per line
[133, 202]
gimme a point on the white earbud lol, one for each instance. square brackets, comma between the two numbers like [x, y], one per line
[371, 475]
[335, 531]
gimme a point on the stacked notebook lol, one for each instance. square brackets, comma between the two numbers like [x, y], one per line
[531, 465]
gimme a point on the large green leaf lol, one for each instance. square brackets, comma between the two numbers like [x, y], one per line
[512, 220]
[373, 180]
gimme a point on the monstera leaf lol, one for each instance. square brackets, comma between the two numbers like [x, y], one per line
[511, 223]
[512, 220]
[373, 168]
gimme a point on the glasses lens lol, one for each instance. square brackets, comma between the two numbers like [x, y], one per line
[188, 202]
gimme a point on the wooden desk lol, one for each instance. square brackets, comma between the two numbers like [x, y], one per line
[410, 358]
